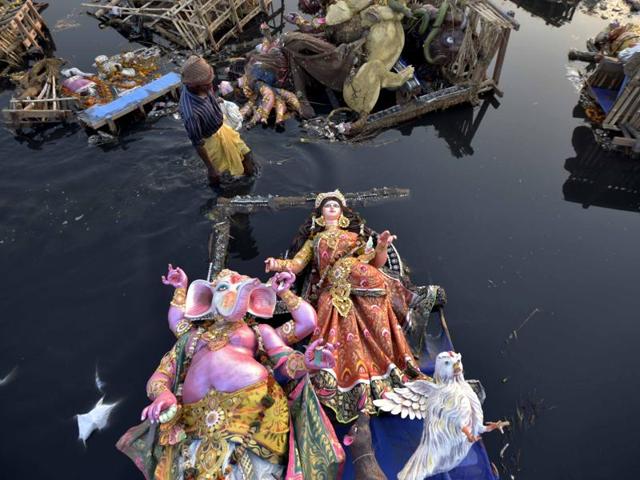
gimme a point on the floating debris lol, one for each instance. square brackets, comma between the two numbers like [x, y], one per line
[39, 97]
[575, 77]
[99, 383]
[102, 138]
[96, 419]
[514, 333]
[190, 24]
[22, 32]
[9, 377]
[504, 449]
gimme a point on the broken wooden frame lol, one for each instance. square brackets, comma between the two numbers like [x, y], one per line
[21, 29]
[623, 120]
[30, 112]
[187, 23]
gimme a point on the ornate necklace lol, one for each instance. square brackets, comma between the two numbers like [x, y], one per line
[217, 335]
[332, 237]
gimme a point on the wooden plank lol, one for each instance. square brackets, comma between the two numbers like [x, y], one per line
[621, 104]
[497, 71]
[234, 14]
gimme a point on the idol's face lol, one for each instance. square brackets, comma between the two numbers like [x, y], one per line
[331, 210]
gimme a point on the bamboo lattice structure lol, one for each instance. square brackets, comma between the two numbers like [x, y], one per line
[21, 29]
[188, 23]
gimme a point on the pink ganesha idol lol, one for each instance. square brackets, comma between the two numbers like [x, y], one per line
[216, 409]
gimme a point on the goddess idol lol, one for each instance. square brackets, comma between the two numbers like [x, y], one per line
[360, 308]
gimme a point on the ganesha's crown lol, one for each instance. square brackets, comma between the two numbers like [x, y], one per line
[335, 194]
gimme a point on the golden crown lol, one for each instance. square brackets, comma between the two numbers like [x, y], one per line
[335, 194]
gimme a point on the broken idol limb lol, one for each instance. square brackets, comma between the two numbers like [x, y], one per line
[451, 413]
[264, 100]
[232, 426]
[384, 44]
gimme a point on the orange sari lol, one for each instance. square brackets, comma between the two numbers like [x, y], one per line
[358, 308]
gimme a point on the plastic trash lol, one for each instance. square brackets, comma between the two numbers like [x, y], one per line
[225, 87]
[102, 138]
[128, 72]
[232, 115]
[78, 84]
[627, 53]
[71, 72]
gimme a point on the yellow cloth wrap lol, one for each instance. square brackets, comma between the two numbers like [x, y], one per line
[227, 150]
[222, 417]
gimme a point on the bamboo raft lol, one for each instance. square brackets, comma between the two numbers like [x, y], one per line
[187, 23]
[220, 214]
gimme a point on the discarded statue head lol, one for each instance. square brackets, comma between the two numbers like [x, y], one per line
[230, 296]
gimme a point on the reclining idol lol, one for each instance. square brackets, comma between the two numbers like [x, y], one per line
[220, 411]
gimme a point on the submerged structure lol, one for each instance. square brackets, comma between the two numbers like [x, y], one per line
[610, 95]
[190, 24]
[379, 64]
[22, 31]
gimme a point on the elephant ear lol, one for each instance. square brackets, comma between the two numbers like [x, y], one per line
[262, 302]
[199, 300]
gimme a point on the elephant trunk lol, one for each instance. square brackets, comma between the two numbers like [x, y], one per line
[242, 301]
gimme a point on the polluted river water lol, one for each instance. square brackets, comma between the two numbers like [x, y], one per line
[493, 216]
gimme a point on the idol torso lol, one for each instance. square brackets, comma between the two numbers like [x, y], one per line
[225, 364]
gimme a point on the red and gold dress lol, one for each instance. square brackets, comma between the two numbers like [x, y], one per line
[358, 310]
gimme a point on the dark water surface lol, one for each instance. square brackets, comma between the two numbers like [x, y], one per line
[86, 232]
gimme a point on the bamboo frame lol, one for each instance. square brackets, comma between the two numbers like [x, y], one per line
[190, 23]
[21, 28]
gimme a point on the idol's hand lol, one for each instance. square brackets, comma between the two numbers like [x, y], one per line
[271, 265]
[164, 401]
[282, 281]
[175, 277]
[318, 356]
[385, 239]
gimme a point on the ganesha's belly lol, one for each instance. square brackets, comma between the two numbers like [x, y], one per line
[226, 370]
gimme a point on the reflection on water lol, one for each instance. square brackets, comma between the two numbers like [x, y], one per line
[458, 128]
[600, 178]
[242, 244]
[554, 13]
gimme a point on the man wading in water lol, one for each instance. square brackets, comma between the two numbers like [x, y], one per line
[219, 145]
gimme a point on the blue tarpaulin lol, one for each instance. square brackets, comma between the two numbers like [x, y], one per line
[138, 96]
